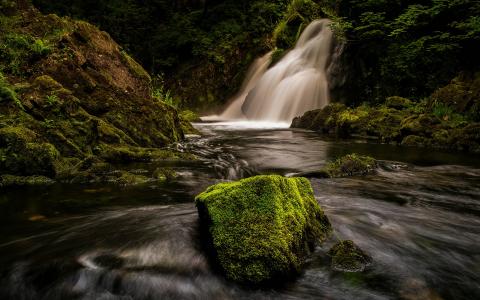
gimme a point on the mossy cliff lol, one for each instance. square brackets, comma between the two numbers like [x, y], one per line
[68, 92]
[261, 228]
[448, 119]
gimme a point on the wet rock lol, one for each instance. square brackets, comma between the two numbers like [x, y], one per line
[262, 228]
[81, 95]
[348, 257]
[7, 181]
[22, 153]
[164, 174]
[415, 140]
[398, 102]
[349, 165]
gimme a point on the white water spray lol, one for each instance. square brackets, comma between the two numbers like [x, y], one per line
[296, 84]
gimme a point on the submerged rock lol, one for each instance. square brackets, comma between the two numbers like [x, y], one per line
[350, 165]
[348, 257]
[262, 228]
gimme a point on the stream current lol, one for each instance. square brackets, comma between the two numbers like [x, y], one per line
[418, 217]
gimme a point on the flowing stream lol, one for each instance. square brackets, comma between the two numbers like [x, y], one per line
[294, 85]
[419, 218]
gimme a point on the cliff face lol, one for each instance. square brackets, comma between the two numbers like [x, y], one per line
[68, 92]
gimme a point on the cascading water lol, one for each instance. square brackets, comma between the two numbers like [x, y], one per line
[296, 84]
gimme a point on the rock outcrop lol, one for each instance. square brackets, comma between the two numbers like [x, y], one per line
[69, 92]
[262, 228]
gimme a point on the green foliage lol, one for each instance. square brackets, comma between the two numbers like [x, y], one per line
[262, 227]
[160, 93]
[406, 48]
[7, 4]
[298, 15]
[7, 93]
[52, 100]
[203, 47]
[17, 50]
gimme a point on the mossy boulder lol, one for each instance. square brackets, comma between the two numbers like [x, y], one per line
[397, 102]
[350, 165]
[164, 174]
[21, 153]
[262, 228]
[69, 92]
[348, 257]
[461, 95]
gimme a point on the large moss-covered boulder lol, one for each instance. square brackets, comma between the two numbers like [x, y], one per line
[262, 228]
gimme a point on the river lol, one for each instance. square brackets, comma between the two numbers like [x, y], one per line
[418, 217]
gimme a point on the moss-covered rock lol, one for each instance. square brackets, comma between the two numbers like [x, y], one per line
[348, 257]
[261, 228]
[190, 116]
[461, 95]
[350, 165]
[68, 92]
[400, 121]
[398, 102]
[164, 174]
[186, 117]
[7, 181]
[126, 154]
[23, 154]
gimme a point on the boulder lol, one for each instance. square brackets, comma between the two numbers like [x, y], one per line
[350, 165]
[348, 257]
[261, 229]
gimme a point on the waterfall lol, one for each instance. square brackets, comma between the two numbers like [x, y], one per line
[254, 73]
[296, 84]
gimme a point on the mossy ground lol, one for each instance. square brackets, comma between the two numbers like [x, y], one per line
[69, 92]
[262, 227]
[448, 119]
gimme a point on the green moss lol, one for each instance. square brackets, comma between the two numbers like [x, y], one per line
[129, 179]
[18, 48]
[8, 94]
[124, 154]
[415, 140]
[298, 15]
[68, 110]
[398, 102]
[7, 181]
[350, 165]
[347, 257]
[262, 227]
[24, 155]
[190, 116]
[135, 67]
[164, 174]
[46, 83]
